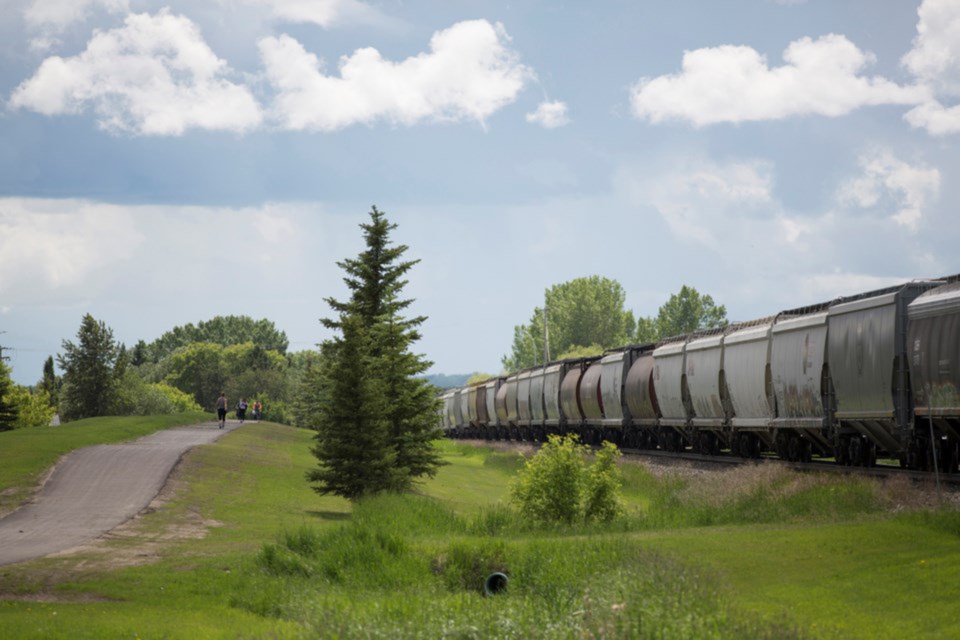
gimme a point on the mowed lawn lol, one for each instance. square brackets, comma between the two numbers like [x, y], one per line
[820, 560]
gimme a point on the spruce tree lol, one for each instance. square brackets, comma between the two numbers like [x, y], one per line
[90, 370]
[351, 444]
[8, 408]
[394, 393]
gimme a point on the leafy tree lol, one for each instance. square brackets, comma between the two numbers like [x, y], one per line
[196, 369]
[135, 397]
[478, 377]
[33, 408]
[90, 370]
[580, 313]
[222, 330]
[8, 406]
[253, 371]
[581, 352]
[647, 330]
[393, 406]
[685, 312]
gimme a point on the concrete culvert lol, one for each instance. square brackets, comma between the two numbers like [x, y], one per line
[495, 583]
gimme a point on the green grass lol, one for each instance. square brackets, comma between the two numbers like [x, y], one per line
[753, 553]
[25, 454]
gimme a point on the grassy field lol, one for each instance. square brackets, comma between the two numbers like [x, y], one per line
[242, 547]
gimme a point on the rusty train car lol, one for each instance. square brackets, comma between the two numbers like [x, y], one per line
[875, 375]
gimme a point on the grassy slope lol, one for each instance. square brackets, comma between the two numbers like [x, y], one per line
[887, 578]
[872, 576]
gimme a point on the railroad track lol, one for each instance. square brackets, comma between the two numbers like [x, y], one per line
[951, 480]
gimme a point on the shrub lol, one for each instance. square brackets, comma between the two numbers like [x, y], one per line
[556, 485]
[135, 397]
[33, 409]
[603, 501]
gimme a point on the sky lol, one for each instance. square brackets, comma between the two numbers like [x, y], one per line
[162, 163]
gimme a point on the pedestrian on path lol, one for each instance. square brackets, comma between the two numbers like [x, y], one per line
[242, 410]
[222, 409]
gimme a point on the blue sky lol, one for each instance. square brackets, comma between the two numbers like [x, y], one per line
[165, 162]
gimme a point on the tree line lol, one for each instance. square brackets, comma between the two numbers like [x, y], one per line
[185, 369]
[587, 315]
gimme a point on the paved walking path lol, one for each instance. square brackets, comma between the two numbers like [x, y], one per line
[94, 489]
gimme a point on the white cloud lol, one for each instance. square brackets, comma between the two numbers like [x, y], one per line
[325, 13]
[49, 18]
[935, 118]
[935, 60]
[153, 76]
[58, 14]
[735, 84]
[697, 198]
[468, 74]
[935, 57]
[892, 186]
[59, 246]
[722, 228]
[550, 115]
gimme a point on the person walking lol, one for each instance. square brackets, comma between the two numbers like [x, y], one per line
[242, 410]
[256, 410]
[222, 409]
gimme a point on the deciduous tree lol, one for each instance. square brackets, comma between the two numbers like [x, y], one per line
[686, 311]
[222, 330]
[580, 313]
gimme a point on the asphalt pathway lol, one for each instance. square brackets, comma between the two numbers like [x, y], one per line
[94, 489]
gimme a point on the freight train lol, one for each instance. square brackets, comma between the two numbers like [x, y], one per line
[875, 375]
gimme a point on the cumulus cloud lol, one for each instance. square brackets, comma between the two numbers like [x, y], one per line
[56, 246]
[58, 14]
[468, 74]
[736, 84]
[153, 76]
[935, 56]
[325, 13]
[47, 19]
[696, 197]
[550, 115]
[724, 221]
[891, 185]
[935, 60]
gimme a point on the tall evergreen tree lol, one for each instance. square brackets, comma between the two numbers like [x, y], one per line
[91, 370]
[375, 346]
[50, 382]
[351, 445]
[8, 406]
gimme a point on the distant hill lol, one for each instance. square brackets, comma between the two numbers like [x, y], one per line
[448, 381]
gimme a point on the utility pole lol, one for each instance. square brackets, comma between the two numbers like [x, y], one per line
[546, 335]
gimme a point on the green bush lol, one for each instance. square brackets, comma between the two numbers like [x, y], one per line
[33, 409]
[603, 500]
[135, 397]
[556, 485]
